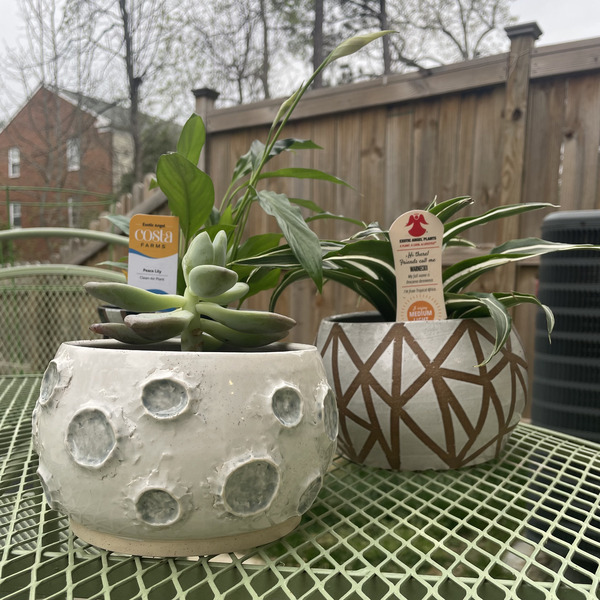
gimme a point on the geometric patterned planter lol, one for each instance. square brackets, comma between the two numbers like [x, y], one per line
[166, 453]
[411, 396]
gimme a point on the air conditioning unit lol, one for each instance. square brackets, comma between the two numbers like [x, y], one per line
[566, 376]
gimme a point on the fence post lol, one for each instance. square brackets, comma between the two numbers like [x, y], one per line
[514, 129]
[205, 102]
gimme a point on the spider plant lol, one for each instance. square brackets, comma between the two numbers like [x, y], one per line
[365, 264]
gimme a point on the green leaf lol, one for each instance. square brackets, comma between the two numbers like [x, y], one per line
[367, 249]
[478, 304]
[283, 257]
[251, 160]
[303, 173]
[261, 280]
[444, 210]
[461, 242]
[302, 240]
[114, 264]
[322, 214]
[287, 280]
[192, 138]
[472, 305]
[460, 274]
[119, 332]
[537, 247]
[327, 215]
[383, 299]
[308, 204]
[372, 231]
[129, 297]
[365, 266]
[258, 244]
[206, 281]
[464, 272]
[189, 190]
[121, 222]
[247, 321]
[159, 326]
[455, 228]
[502, 323]
[292, 144]
[243, 166]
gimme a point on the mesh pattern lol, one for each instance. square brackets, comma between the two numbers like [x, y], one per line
[38, 314]
[525, 527]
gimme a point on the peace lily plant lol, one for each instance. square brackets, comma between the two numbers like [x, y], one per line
[365, 264]
[212, 245]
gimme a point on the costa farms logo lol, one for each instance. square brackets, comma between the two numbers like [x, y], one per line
[147, 234]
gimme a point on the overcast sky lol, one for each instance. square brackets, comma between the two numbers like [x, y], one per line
[560, 20]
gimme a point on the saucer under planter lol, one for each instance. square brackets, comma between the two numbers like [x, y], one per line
[411, 396]
[167, 453]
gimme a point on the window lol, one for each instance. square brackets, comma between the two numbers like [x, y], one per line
[73, 154]
[14, 162]
[14, 214]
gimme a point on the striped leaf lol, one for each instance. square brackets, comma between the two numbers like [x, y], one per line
[454, 228]
[537, 247]
[485, 304]
[444, 210]
[463, 273]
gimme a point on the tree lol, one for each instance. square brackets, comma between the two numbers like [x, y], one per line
[44, 62]
[233, 43]
[158, 137]
[431, 32]
[132, 35]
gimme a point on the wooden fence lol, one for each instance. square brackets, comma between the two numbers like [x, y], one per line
[516, 127]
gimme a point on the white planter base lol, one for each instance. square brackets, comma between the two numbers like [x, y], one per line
[167, 453]
[209, 546]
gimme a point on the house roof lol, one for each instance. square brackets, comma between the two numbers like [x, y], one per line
[109, 114]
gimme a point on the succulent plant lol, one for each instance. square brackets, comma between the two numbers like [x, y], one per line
[200, 316]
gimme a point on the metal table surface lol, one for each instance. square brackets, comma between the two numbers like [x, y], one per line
[526, 526]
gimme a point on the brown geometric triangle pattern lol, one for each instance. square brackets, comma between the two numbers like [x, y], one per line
[415, 396]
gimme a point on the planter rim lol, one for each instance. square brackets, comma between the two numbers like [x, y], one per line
[376, 318]
[173, 347]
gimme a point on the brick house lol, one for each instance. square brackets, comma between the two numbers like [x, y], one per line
[63, 140]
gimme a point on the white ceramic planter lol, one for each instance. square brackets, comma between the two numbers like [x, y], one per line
[411, 396]
[163, 453]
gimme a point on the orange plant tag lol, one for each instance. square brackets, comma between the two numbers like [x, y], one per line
[416, 238]
[153, 252]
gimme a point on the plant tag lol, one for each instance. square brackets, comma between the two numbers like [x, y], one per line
[153, 251]
[416, 238]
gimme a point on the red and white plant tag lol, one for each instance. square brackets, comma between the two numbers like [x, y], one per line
[416, 238]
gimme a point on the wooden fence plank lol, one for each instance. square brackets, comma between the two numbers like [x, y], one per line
[445, 164]
[399, 163]
[372, 165]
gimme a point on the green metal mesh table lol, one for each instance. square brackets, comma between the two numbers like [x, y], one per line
[526, 526]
